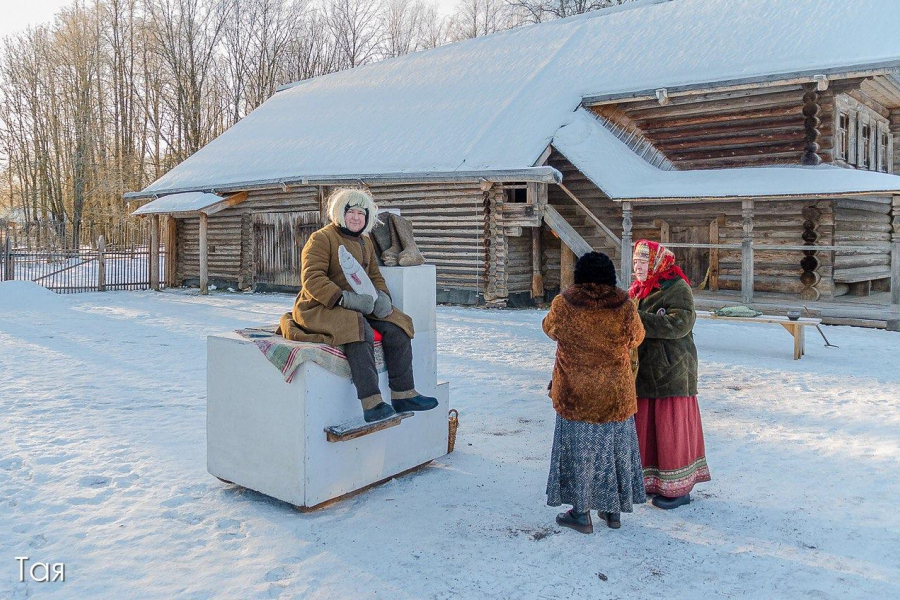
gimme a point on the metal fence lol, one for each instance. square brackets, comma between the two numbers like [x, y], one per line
[80, 270]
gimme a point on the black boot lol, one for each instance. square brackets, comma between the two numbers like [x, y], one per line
[378, 412]
[613, 519]
[666, 503]
[416, 403]
[577, 521]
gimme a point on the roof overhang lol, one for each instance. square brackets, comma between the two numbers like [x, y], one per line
[189, 204]
[778, 79]
[541, 174]
[624, 176]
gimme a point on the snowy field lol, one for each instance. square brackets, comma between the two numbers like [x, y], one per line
[102, 467]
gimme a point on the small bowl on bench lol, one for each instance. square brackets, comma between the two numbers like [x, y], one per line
[793, 314]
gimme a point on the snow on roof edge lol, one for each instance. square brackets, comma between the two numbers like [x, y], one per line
[624, 176]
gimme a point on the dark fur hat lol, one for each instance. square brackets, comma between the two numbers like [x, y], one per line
[595, 267]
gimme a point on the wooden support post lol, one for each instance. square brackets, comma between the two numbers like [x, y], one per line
[625, 270]
[747, 252]
[566, 266]
[204, 259]
[895, 269]
[101, 264]
[154, 252]
[171, 251]
[664, 231]
[714, 255]
[537, 280]
[895, 252]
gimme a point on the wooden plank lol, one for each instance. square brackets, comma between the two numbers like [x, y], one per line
[747, 252]
[351, 431]
[566, 232]
[566, 268]
[204, 255]
[154, 252]
[606, 230]
[171, 249]
[230, 201]
[537, 280]
[714, 254]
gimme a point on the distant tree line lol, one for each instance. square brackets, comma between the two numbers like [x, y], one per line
[114, 93]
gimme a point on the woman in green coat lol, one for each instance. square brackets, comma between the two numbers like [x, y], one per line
[669, 430]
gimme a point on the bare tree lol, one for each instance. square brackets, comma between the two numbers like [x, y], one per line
[536, 11]
[354, 27]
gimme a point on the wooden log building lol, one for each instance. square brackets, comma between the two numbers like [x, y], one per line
[760, 147]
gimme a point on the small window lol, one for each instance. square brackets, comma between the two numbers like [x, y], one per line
[518, 195]
[883, 157]
[843, 141]
[866, 161]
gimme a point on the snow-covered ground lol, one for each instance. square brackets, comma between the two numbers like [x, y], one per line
[102, 467]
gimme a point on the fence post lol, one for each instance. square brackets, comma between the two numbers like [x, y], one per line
[154, 252]
[9, 262]
[101, 264]
[747, 252]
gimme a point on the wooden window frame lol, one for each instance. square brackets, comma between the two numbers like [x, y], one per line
[843, 142]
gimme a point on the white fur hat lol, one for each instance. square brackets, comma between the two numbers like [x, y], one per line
[345, 198]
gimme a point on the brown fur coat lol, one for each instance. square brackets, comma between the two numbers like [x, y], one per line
[595, 326]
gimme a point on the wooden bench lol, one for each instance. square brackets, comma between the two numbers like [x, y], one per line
[795, 328]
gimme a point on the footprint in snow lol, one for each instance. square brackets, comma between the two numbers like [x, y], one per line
[12, 463]
[94, 481]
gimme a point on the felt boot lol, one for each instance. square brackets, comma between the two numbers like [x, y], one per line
[409, 255]
[666, 503]
[613, 519]
[391, 255]
[381, 236]
[378, 412]
[577, 521]
[412, 401]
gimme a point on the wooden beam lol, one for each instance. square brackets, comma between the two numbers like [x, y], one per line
[232, 200]
[204, 255]
[664, 231]
[714, 253]
[566, 267]
[537, 280]
[627, 257]
[154, 252]
[566, 232]
[747, 252]
[606, 230]
[895, 252]
[171, 248]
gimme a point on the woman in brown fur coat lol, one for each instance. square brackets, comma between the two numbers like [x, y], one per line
[595, 463]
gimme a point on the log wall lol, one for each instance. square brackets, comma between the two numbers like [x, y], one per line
[451, 224]
[863, 223]
[733, 129]
[230, 236]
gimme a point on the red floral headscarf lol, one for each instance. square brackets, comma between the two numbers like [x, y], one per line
[662, 268]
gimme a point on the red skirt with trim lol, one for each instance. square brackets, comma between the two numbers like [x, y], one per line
[670, 438]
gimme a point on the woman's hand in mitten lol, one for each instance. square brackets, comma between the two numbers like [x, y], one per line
[383, 306]
[363, 303]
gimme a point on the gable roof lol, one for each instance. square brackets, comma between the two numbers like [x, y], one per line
[494, 103]
[623, 175]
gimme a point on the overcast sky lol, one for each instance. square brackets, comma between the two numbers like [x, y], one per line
[19, 14]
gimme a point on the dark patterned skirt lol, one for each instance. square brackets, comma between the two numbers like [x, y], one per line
[595, 466]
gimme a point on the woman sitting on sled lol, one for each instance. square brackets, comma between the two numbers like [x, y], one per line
[328, 311]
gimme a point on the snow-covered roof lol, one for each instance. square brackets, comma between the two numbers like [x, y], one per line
[623, 175]
[495, 102]
[187, 202]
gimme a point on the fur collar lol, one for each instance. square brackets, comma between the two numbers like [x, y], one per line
[595, 296]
